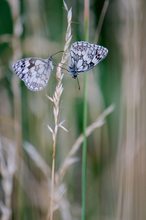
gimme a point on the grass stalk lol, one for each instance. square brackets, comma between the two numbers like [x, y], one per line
[101, 19]
[71, 157]
[56, 111]
[56, 106]
[52, 178]
[85, 108]
[84, 150]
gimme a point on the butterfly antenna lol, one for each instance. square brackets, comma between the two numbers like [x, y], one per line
[78, 83]
[60, 66]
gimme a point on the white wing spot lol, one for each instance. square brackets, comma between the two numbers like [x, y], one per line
[79, 63]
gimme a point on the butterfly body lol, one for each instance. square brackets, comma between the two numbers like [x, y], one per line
[84, 56]
[35, 72]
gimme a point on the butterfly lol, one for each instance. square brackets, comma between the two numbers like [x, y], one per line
[84, 56]
[35, 72]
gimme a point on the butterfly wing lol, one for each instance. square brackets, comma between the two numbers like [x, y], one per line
[35, 72]
[98, 53]
[84, 56]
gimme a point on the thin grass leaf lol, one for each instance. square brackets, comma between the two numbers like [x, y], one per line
[99, 122]
[37, 158]
[50, 129]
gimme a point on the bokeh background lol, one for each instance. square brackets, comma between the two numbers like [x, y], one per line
[116, 157]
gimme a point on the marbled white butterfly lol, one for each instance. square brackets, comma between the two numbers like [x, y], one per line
[35, 72]
[84, 56]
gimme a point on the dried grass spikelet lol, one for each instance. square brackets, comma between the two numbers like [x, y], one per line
[68, 38]
[59, 75]
[56, 108]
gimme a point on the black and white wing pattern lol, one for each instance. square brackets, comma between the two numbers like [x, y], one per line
[35, 72]
[84, 56]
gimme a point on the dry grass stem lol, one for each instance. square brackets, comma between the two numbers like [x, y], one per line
[39, 192]
[70, 159]
[38, 160]
[7, 171]
[56, 105]
[101, 19]
[36, 190]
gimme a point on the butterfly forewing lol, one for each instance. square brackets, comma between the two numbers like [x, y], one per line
[35, 72]
[84, 56]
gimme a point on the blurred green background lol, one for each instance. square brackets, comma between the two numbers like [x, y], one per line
[116, 157]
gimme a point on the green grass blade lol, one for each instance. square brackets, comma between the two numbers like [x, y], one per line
[84, 150]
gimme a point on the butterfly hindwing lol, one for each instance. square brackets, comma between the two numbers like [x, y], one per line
[84, 56]
[35, 72]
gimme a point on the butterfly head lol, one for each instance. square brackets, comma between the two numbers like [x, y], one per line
[73, 71]
[50, 63]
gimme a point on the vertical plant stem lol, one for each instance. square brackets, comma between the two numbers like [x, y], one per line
[84, 150]
[52, 177]
[56, 109]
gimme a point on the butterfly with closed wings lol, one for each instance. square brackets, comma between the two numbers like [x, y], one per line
[35, 72]
[84, 56]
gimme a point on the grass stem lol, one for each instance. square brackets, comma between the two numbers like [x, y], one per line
[84, 151]
[52, 178]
